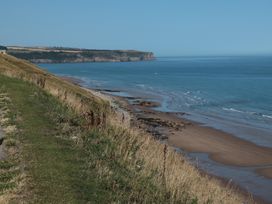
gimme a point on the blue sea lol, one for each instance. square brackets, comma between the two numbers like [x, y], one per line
[233, 94]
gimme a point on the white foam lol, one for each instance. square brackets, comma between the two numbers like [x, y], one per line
[233, 110]
[248, 112]
[267, 116]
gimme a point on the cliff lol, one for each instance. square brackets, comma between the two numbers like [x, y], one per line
[76, 145]
[74, 55]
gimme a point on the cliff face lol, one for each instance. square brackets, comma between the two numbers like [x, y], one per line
[67, 55]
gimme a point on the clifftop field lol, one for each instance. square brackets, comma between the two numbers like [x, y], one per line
[65, 55]
[65, 144]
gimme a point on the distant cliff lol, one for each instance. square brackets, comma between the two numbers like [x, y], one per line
[66, 55]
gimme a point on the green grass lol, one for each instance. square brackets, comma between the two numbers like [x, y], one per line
[4, 165]
[62, 156]
[6, 186]
[7, 175]
[66, 163]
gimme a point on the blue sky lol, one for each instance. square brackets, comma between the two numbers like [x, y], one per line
[168, 28]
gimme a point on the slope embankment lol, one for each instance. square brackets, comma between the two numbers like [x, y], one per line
[77, 146]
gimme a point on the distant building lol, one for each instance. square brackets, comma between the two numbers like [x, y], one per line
[3, 50]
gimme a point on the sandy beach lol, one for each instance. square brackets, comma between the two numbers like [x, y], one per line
[190, 136]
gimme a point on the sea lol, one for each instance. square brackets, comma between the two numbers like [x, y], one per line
[229, 93]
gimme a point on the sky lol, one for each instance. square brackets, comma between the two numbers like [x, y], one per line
[167, 28]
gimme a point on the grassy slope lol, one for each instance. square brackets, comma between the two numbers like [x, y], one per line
[70, 158]
[59, 170]
[50, 160]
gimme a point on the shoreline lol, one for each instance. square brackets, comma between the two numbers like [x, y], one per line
[167, 125]
[183, 134]
[172, 177]
[178, 132]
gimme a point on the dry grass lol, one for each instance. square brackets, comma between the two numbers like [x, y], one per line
[172, 171]
[93, 108]
[11, 178]
[139, 150]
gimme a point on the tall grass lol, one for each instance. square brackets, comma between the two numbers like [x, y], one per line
[126, 159]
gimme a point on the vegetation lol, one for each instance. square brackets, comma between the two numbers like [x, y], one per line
[58, 55]
[66, 164]
[74, 149]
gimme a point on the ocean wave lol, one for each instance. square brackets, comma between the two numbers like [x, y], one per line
[248, 112]
[267, 116]
[240, 111]
[233, 110]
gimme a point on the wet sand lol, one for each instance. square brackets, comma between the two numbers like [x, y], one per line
[246, 157]
[193, 137]
[267, 172]
[221, 147]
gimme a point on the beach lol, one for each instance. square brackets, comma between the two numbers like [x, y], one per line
[191, 137]
[194, 137]
[202, 108]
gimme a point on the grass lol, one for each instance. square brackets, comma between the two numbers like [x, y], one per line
[5, 165]
[59, 169]
[68, 156]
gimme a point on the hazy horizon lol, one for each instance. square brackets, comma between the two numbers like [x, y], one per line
[156, 55]
[179, 28]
